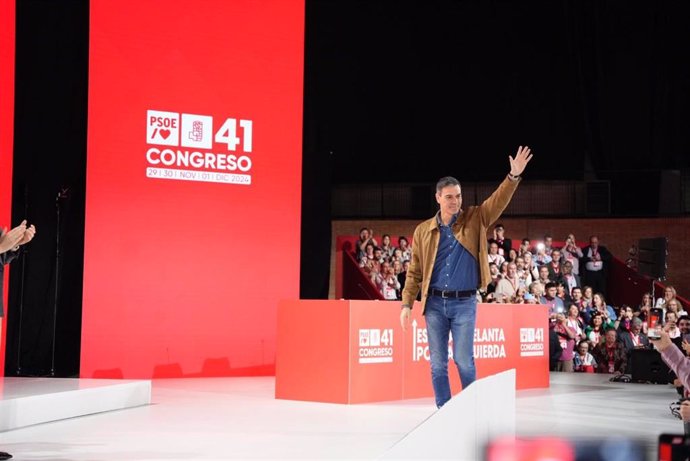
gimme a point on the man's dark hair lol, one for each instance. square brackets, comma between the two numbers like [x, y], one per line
[402, 237]
[684, 317]
[492, 241]
[525, 239]
[499, 226]
[363, 229]
[550, 285]
[445, 182]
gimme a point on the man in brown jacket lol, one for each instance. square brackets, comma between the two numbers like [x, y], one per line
[448, 265]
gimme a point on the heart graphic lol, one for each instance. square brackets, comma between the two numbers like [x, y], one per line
[164, 133]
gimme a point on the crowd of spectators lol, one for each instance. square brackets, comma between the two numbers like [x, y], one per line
[587, 334]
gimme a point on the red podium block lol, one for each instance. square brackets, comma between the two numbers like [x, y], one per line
[356, 352]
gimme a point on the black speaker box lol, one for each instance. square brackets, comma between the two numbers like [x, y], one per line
[651, 257]
[647, 367]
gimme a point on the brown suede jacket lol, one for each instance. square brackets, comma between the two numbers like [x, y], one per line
[470, 229]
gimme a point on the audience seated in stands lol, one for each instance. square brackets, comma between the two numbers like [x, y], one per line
[544, 275]
[494, 256]
[568, 279]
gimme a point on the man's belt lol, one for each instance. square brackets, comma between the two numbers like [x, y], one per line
[452, 293]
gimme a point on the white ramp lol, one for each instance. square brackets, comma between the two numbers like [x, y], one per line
[28, 401]
[462, 427]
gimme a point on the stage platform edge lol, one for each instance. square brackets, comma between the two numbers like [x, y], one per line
[30, 401]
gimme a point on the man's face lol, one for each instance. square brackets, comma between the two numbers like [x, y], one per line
[512, 270]
[406, 265]
[577, 294]
[635, 327]
[684, 326]
[377, 253]
[385, 267]
[611, 337]
[450, 200]
[493, 248]
[594, 242]
[499, 232]
[548, 241]
[556, 256]
[493, 268]
[520, 263]
[567, 268]
[544, 272]
[552, 292]
[364, 234]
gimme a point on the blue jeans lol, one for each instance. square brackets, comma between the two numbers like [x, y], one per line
[444, 315]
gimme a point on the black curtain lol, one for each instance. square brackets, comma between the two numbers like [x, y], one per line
[48, 178]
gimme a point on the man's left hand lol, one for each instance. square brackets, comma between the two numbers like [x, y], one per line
[28, 235]
[522, 158]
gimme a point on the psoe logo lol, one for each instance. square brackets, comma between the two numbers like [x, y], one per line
[375, 345]
[531, 342]
[197, 151]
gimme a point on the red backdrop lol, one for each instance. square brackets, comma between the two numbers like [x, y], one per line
[193, 185]
[7, 18]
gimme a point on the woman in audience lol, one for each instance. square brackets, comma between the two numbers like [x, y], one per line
[386, 246]
[587, 296]
[669, 294]
[599, 304]
[573, 253]
[595, 331]
[404, 247]
[673, 305]
[624, 320]
[530, 265]
[583, 360]
[566, 339]
[575, 322]
[512, 255]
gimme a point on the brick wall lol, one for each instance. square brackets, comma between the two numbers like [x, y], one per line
[618, 235]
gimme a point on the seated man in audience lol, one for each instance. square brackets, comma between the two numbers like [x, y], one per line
[555, 304]
[525, 246]
[508, 285]
[634, 339]
[522, 272]
[610, 354]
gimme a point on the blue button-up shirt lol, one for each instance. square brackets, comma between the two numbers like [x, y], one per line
[454, 268]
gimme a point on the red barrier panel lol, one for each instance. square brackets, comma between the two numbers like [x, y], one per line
[356, 351]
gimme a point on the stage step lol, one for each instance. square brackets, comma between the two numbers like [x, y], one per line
[28, 401]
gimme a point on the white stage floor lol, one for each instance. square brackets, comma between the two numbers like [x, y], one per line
[238, 418]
